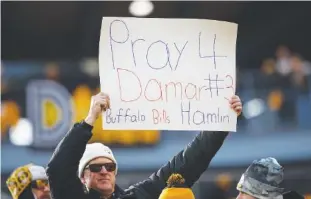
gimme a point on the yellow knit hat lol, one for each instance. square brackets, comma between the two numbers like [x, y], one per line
[176, 189]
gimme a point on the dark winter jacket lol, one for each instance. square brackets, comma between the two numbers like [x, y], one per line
[190, 163]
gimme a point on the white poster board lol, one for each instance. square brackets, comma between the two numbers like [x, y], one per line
[168, 74]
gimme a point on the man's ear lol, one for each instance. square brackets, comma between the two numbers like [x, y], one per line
[83, 178]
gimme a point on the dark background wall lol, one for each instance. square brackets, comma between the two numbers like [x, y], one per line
[70, 30]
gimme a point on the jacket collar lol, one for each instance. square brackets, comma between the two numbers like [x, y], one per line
[116, 194]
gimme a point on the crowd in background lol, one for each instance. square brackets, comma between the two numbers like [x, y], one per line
[283, 84]
[287, 76]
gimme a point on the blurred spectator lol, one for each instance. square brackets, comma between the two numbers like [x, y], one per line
[282, 60]
[268, 86]
[29, 182]
[298, 75]
[268, 77]
[219, 189]
[284, 82]
[52, 71]
[298, 87]
[300, 91]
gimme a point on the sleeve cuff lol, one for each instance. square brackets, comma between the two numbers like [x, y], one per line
[85, 125]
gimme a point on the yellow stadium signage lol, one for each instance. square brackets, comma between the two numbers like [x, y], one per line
[52, 110]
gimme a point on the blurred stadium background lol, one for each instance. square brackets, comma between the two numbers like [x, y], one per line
[58, 41]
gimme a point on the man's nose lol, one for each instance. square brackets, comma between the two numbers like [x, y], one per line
[103, 170]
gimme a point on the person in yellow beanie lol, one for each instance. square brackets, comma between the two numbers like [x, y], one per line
[176, 188]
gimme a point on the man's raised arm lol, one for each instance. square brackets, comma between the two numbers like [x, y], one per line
[190, 162]
[63, 166]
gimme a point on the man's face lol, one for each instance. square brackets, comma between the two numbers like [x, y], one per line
[98, 175]
[244, 196]
[41, 189]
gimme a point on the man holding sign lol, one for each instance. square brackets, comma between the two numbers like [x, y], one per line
[97, 167]
[169, 75]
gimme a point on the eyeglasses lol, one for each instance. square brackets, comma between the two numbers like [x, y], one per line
[98, 167]
[39, 184]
